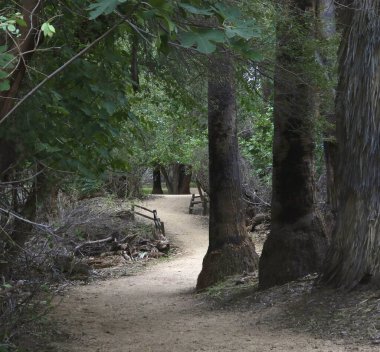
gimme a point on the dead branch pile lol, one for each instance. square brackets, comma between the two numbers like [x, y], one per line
[131, 248]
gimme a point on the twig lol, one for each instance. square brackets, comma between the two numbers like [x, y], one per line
[23, 180]
[105, 240]
[263, 202]
[42, 226]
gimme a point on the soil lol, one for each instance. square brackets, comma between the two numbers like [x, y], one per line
[157, 309]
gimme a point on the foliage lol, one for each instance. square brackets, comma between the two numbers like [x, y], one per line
[11, 23]
[258, 148]
[167, 129]
[191, 25]
[73, 122]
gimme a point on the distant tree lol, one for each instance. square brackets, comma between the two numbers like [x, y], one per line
[354, 256]
[297, 243]
[157, 188]
[177, 178]
[230, 250]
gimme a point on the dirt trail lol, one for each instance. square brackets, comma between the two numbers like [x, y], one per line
[157, 311]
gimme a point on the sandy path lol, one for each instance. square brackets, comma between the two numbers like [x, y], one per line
[156, 310]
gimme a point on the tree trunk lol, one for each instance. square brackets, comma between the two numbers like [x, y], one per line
[230, 250]
[157, 189]
[167, 179]
[177, 178]
[297, 243]
[326, 30]
[330, 149]
[354, 255]
[184, 179]
[27, 42]
[7, 158]
[22, 229]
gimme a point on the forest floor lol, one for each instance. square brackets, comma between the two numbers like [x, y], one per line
[157, 309]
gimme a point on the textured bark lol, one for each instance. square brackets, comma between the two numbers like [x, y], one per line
[22, 230]
[7, 158]
[184, 179]
[296, 244]
[230, 250]
[355, 252]
[330, 150]
[167, 179]
[177, 178]
[27, 42]
[326, 30]
[157, 188]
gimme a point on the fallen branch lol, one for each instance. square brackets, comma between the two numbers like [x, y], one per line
[90, 243]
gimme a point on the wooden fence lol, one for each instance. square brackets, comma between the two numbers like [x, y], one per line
[158, 224]
[202, 198]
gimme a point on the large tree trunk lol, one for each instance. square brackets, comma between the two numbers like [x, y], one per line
[296, 244]
[157, 188]
[26, 43]
[184, 179]
[7, 158]
[230, 250]
[177, 178]
[355, 252]
[22, 229]
[326, 31]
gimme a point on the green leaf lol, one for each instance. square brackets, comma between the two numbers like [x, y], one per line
[170, 24]
[162, 5]
[48, 148]
[47, 29]
[11, 28]
[246, 30]
[110, 107]
[203, 41]
[227, 12]
[103, 7]
[5, 59]
[20, 21]
[254, 55]
[196, 10]
[4, 85]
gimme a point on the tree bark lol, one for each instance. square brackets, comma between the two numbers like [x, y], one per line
[297, 243]
[27, 42]
[7, 158]
[354, 256]
[184, 179]
[177, 178]
[230, 250]
[157, 188]
[326, 30]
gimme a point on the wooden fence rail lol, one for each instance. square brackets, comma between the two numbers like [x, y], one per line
[158, 224]
[203, 200]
